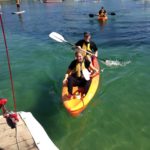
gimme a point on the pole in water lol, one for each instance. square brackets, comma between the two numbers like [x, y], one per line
[8, 60]
[18, 3]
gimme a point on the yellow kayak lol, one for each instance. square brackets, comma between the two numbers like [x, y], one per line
[80, 101]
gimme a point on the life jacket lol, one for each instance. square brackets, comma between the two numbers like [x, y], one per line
[87, 48]
[78, 69]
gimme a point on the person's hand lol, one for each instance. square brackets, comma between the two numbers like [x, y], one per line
[93, 74]
[96, 70]
[64, 81]
[96, 55]
[78, 47]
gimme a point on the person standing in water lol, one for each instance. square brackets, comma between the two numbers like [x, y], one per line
[18, 3]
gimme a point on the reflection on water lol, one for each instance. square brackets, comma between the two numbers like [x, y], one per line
[20, 16]
[102, 24]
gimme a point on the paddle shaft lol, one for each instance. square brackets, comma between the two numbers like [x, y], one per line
[83, 50]
[92, 15]
[75, 46]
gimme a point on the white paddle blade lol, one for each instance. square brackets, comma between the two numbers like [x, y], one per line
[86, 74]
[57, 37]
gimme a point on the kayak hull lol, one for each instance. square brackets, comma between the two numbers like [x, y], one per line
[78, 103]
[103, 18]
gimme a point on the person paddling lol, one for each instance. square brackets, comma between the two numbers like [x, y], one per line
[87, 45]
[75, 76]
[102, 12]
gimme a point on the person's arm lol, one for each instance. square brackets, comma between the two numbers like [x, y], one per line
[95, 71]
[99, 13]
[66, 76]
[96, 53]
[70, 68]
[78, 45]
[94, 47]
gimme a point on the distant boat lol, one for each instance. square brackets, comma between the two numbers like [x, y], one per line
[52, 1]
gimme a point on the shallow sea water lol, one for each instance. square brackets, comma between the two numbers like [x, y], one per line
[118, 117]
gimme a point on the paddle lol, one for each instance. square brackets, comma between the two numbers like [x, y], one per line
[59, 38]
[92, 15]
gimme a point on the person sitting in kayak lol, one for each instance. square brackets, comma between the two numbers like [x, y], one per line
[75, 76]
[87, 45]
[102, 12]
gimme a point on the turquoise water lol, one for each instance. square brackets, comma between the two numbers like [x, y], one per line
[118, 117]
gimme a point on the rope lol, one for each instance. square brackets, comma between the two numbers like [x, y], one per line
[9, 66]
[17, 138]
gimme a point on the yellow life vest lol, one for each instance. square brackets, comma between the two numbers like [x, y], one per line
[87, 48]
[78, 69]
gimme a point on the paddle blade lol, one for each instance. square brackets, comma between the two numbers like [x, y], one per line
[57, 37]
[86, 74]
[112, 13]
[91, 15]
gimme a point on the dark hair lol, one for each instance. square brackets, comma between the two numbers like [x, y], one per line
[87, 33]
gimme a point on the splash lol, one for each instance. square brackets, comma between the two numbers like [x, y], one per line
[116, 63]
